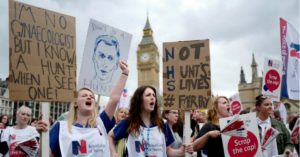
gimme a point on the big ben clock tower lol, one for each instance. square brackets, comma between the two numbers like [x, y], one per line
[148, 59]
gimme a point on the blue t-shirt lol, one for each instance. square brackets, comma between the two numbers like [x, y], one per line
[120, 131]
[54, 132]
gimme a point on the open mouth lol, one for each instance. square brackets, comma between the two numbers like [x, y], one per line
[228, 109]
[88, 104]
[152, 104]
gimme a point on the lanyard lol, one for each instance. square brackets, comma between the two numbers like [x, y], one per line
[146, 142]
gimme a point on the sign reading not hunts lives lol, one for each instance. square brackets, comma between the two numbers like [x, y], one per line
[186, 74]
[42, 54]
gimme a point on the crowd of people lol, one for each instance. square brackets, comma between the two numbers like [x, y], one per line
[141, 129]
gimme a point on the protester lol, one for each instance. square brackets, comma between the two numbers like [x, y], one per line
[282, 143]
[194, 126]
[144, 129]
[20, 132]
[33, 122]
[3, 124]
[85, 132]
[209, 137]
[4, 121]
[200, 116]
[121, 114]
[172, 117]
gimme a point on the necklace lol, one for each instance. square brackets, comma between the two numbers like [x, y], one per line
[146, 142]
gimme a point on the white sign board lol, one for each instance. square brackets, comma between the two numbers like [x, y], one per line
[271, 85]
[235, 104]
[242, 146]
[105, 46]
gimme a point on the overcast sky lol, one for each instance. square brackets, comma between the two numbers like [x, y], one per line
[235, 28]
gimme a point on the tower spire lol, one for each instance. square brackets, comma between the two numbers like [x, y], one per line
[242, 76]
[147, 37]
[254, 68]
[147, 25]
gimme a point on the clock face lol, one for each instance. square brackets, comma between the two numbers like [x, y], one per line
[145, 57]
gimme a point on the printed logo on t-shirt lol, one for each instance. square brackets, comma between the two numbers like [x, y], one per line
[79, 147]
[140, 147]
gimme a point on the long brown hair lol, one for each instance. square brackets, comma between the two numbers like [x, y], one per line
[212, 113]
[134, 119]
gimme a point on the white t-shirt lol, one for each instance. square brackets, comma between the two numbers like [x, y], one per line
[86, 142]
[12, 135]
[150, 139]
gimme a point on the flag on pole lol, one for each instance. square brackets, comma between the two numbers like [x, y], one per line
[290, 41]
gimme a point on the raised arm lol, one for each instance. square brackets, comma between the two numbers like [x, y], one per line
[117, 91]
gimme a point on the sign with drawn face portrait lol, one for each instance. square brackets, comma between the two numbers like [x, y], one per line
[42, 54]
[186, 75]
[105, 46]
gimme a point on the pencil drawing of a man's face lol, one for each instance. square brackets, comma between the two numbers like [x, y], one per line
[105, 58]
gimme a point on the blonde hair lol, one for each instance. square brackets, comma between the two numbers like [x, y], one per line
[72, 115]
[117, 112]
[212, 113]
[23, 108]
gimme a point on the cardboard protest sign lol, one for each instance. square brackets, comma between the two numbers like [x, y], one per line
[42, 54]
[235, 104]
[186, 74]
[104, 47]
[271, 85]
[249, 146]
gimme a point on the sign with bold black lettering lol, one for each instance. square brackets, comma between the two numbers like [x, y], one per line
[42, 54]
[186, 74]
